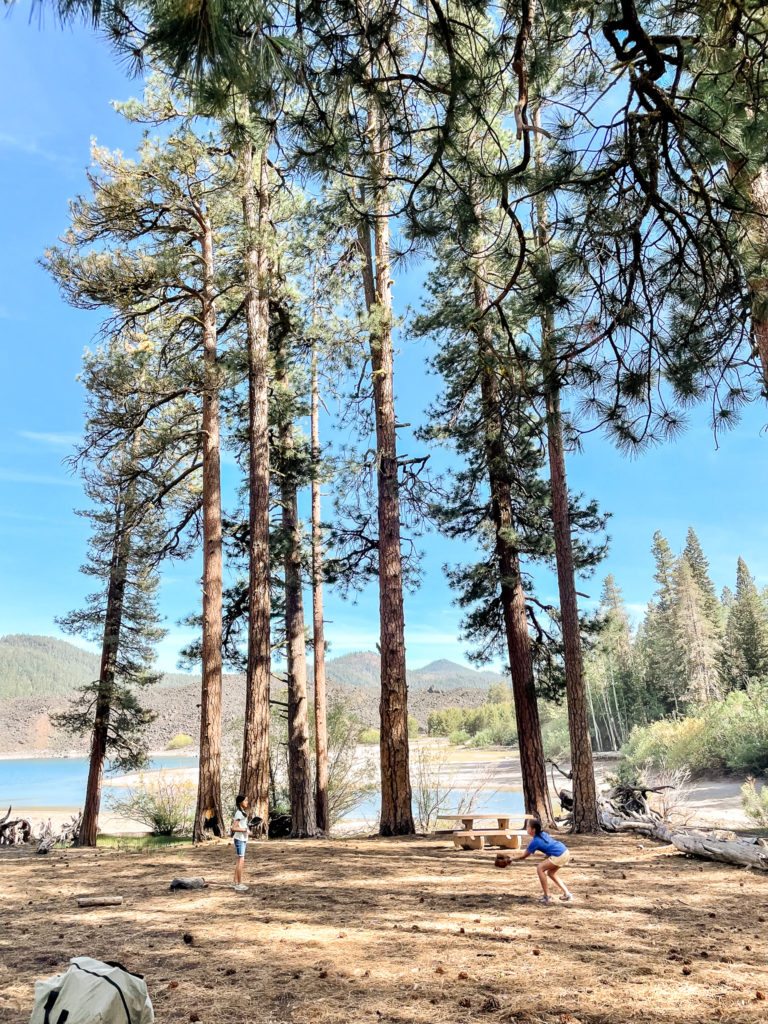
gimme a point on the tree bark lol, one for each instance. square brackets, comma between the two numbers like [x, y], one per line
[396, 811]
[758, 195]
[299, 757]
[208, 813]
[584, 789]
[532, 764]
[254, 777]
[318, 631]
[118, 575]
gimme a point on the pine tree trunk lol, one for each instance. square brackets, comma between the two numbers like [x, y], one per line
[585, 810]
[299, 756]
[318, 632]
[254, 777]
[532, 763]
[396, 812]
[585, 819]
[758, 194]
[208, 814]
[110, 644]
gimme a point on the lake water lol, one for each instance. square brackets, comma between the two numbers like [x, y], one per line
[60, 782]
[56, 781]
[490, 803]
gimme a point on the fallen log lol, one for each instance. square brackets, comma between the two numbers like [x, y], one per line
[99, 901]
[747, 852]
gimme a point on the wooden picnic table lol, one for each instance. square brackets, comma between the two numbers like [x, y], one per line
[472, 836]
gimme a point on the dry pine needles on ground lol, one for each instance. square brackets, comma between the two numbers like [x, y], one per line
[398, 932]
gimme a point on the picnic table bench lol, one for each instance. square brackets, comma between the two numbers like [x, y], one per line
[472, 836]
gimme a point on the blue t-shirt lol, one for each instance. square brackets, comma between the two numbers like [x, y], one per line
[547, 845]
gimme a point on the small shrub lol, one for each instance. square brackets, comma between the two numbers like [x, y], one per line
[443, 723]
[413, 727]
[674, 744]
[179, 741]
[755, 804]
[164, 805]
[458, 738]
[369, 736]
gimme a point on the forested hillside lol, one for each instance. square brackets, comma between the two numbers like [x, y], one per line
[41, 665]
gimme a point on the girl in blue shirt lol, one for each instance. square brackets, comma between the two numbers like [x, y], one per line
[556, 855]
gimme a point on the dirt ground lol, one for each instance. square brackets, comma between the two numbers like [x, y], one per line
[398, 932]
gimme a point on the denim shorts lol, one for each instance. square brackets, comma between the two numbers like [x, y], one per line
[240, 845]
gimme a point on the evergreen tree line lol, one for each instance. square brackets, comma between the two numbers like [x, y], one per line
[588, 185]
[691, 650]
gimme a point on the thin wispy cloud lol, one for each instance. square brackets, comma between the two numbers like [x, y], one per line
[52, 440]
[32, 148]
[13, 476]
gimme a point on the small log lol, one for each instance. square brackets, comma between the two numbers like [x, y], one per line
[188, 883]
[99, 901]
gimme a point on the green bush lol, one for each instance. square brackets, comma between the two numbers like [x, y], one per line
[413, 727]
[179, 741]
[458, 738]
[166, 806]
[738, 729]
[369, 736]
[727, 735]
[755, 804]
[443, 723]
[492, 724]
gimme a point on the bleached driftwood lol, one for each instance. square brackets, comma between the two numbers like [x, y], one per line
[68, 834]
[99, 901]
[14, 832]
[748, 852]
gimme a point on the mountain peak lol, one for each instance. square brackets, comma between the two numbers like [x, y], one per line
[443, 665]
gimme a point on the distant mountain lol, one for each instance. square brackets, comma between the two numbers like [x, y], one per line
[44, 666]
[32, 666]
[38, 673]
[364, 668]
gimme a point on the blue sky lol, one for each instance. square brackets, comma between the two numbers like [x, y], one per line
[55, 88]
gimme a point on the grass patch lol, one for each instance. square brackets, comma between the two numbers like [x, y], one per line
[140, 842]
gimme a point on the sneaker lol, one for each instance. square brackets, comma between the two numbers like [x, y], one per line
[241, 887]
[543, 899]
[567, 898]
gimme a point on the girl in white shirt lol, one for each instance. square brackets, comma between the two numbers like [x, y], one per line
[240, 834]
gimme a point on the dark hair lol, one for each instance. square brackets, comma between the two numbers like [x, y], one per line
[535, 825]
[238, 800]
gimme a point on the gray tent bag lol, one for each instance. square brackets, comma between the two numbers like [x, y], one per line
[92, 992]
